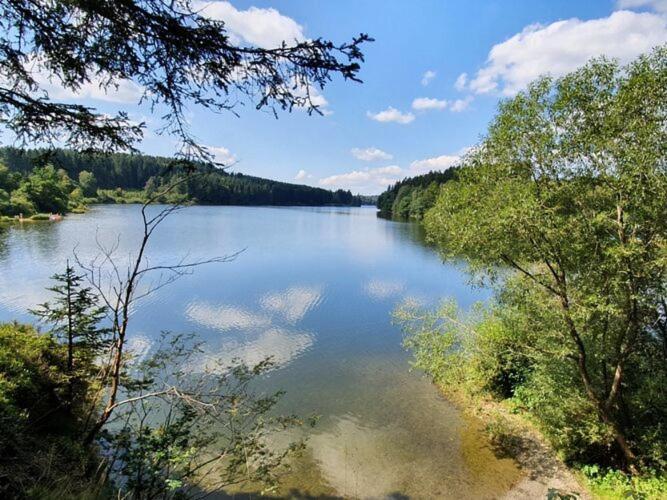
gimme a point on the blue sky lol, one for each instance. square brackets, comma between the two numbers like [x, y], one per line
[399, 123]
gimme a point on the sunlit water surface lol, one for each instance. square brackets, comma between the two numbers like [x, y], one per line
[314, 288]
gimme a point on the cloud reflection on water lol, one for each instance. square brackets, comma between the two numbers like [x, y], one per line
[257, 334]
[293, 303]
[379, 289]
[281, 344]
[225, 317]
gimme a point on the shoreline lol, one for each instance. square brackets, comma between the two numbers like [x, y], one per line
[513, 436]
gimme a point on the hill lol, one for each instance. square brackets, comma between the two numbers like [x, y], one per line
[125, 172]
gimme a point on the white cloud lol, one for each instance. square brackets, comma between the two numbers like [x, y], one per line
[460, 104]
[222, 155]
[461, 81]
[562, 46]
[370, 154]
[391, 115]
[265, 28]
[316, 98]
[436, 163]
[375, 180]
[428, 77]
[656, 5]
[424, 103]
[302, 175]
[368, 181]
[126, 91]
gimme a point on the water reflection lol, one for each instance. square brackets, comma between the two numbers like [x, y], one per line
[315, 290]
[259, 333]
[379, 289]
[280, 344]
[225, 317]
[293, 303]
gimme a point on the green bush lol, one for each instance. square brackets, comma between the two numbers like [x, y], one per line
[39, 443]
[615, 485]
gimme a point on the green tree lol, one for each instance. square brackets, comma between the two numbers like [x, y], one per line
[75, 315]
[20, 204]
[568, 190]
[88, 184]
[48, 189]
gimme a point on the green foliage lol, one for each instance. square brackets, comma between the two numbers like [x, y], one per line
[41, 217]
[39, 190]
[567, 191]
[20, 203]
[412, 197]
[615, 485]
[39, 438]
[88, 184]
[177, 430]
[48, 189]
[74, 315]
[166, 447]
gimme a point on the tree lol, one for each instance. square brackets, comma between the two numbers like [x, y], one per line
[74, 315]
[48, 189]
[88, 184]
[568, 190]
[170, 49]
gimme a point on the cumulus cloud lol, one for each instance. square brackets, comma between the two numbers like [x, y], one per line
[461, 81]
[460, 104]
[301, 175]
[369, 181]
[428, 77]
[222, 155]
[375, 180]
[391, 115]
[370, 154]
[436, 163]
[562, 46]
[265, 28]
[425, 103]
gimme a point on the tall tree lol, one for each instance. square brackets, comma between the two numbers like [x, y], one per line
[568, 190]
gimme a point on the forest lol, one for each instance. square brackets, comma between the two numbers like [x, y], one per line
[57, 180]
[413, 196]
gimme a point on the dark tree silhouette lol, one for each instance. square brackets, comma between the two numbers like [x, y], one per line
[178, 57]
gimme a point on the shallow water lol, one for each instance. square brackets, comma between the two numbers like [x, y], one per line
[314, 288]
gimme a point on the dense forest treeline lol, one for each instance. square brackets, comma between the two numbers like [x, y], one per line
[413, 196]
[130, 177]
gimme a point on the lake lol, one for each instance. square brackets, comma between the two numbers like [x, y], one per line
[314, 288]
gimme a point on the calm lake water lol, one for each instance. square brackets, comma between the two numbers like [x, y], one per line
[314, 288]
